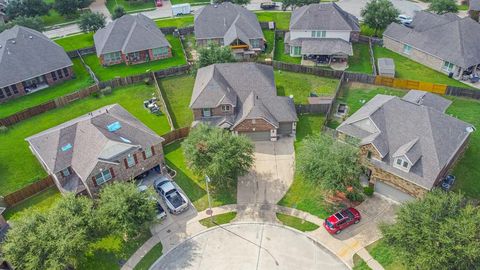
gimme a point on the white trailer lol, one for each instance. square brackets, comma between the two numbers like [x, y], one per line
[181, 9]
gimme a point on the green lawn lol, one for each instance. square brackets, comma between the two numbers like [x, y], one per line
[179, 22]
[82, 80]
[269, 37]
[150, 258]
[367, 31]
[192, 2]
[177, 92]
[463, 7]
[19, 167]
[281, 18]
[301, 85]
[130, 5]
[40, 202]
[194, 185]
[122, 70]
[408, 69]
[75, 42]
[360, 61]
[304, 195]
[381, 252]
[359, 264]
[280, 55]
[54, 18]
[297, 223]
[218, 219]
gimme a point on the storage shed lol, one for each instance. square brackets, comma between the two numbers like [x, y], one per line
[386, 67]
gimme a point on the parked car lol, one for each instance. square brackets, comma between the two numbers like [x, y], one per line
[161, 214]
[341, 220]
[268, 5]
[173, 198]
[447, 182]
[404, 19]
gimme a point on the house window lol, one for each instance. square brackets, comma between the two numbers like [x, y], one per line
[60, 74]
[402, 164]
[130, 161]
[14, 88]
[148, 152]
[112, 57]
[295, 50]
[225, 108]
[135, 56]
[103, 177]
[207, 112]
[319, 34]
[369, 154]
[407, 49]
[255, 43]
[2, 95]
[54, 75]
[7, 91]
[160, 51]
[65, 71]
[447, 66]
[65, 172]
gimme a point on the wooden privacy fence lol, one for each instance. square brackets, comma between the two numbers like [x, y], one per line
[28, 191]
[27, 113]
[175, 135]
[411, 84]
[307, 69]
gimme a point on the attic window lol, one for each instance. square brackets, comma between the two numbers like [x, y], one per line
[401, 164]
[114, 126]
[125, 140]
[66, 147]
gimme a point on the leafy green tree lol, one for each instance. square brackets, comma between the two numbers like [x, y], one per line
[238, 2]
[84, 3]
[214, 54]
[91, 22]
[378, 14]
[440, 231]
[297, 3]
[219, 154]
[331, 164]
[27, 8]
[35, 23]
[123, 209]
[69, 8]
[443, 6]
[118, 12]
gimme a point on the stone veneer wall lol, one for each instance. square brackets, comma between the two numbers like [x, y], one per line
[248, 126]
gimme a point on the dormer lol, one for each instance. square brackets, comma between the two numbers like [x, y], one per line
[402, 163]
[366, 124]
[407, 155]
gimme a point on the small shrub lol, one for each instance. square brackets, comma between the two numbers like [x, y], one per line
[106, 91]
[96, 94]
[3, 129]
[147, 81]
[355, 196]
[368, 191]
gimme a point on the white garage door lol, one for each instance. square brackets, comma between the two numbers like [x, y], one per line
[258, 136]
[392, 192]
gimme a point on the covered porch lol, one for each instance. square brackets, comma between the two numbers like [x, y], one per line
[137, 57]
[326, 52]
[35, 84]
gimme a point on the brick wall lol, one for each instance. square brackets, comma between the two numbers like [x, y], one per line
[249, 125]
[398, 182]
[197, 113]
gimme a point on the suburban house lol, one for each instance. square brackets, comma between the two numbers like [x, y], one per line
[322, 33]
[231, 25]
[131, 39]
[407, 144]
[29, 62]
[446, 43]
[242, 97]
[105, 145]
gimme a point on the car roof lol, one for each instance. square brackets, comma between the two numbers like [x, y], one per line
[167, 185]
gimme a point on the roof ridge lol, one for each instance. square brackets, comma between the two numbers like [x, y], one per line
[427, 110]
[130, 32]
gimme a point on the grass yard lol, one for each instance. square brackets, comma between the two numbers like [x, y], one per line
[179, 22]
[122, 70]
[281, 18]
[359, 264]
[297, 223]
[218, 219]
[408, 69]
[269, 37]
[150, 258]
[367, 31]
[304, 195]
[381, 252]
[280, 55]
[360, 61]
[54, 18]
[82, 80]
[75, 42]
[194, 185]
[177, 92]
[40, 202]
[191, 2]
[130, 5]
[301, 85]
[18, 166]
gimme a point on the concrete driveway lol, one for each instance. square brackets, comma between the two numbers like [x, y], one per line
[249, 246]
[405, 6]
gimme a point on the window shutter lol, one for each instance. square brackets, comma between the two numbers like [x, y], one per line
[126, 163]
[135, 158]
[94, 181]
[112, 172]
[144, 156]
[153, 151]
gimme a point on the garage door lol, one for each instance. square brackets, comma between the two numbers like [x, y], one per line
[258, 136]
[392, 192]
[285, 128]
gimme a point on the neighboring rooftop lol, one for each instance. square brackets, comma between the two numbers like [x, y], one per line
[475, 5]
[447, 37]
[427, 99]
[323, 16]
[386, 66]
[321, 46]
[227, 21]
[129, 33]
[425, 135]
[26, 53]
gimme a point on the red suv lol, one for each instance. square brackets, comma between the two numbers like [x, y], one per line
[341, 220]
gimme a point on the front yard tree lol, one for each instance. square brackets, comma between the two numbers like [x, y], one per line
[27, 8]
[378, 14]
[238, 2]
[214, 54]
[219, 154]
[35, 23]
[296, 3]
[118, 12]
[440, 231]
[124, 210]
[91, 22]
[331, 164]
[443, 6]
[69, 8]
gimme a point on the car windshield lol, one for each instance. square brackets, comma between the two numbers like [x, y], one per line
[329, 224]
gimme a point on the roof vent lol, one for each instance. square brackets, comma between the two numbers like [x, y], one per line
[125, 140]
[13, 41]
[114, 126]
[470, 129]
[66, 147]
[30, 37]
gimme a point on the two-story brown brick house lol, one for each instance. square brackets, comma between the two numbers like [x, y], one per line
[30, 62]
[242, 97]
[407, 144]
[131, 40]
[106, 145]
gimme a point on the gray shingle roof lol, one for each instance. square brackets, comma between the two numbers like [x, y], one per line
[447, 37]
[324, 46]
[475, 5]
[250, 86]
[26, 53]
[129, 33]
[386, 65]
[427, 99]
[427, 136]
[228, 21]
[323, 16]
[90, 140]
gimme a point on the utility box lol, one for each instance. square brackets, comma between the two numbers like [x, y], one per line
[181, 9]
